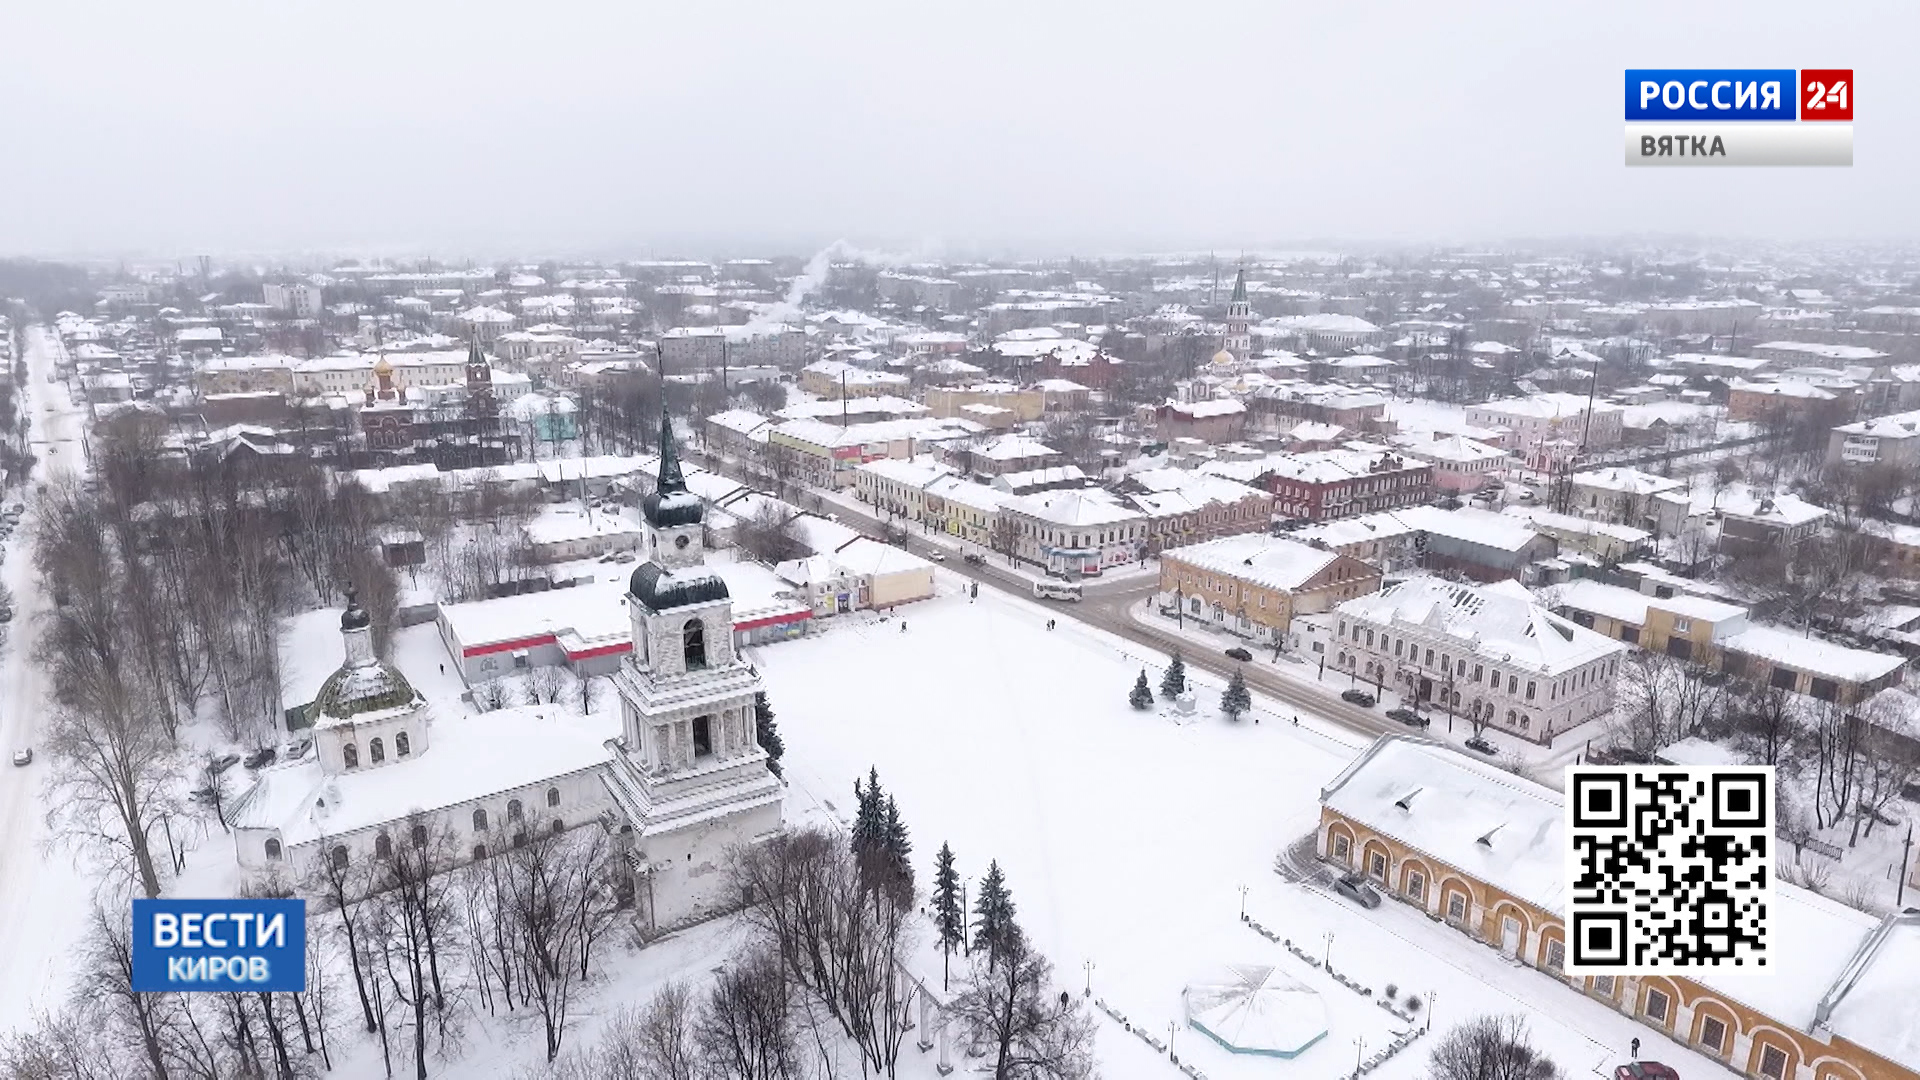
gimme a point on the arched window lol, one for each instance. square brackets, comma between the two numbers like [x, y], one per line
[401, 744]
[520, 838]
[513, 810]
[273, 850]
[377, 750]
[553, 796]
[480, 820]
[351, 755]
[693, 644]
[479, 852]
[340, 857]
[556, 826]
[383, 846]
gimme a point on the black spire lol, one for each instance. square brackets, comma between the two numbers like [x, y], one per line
[1240, 286]
[670, 478]
[475, 358]
[355, 617]
[669, 505]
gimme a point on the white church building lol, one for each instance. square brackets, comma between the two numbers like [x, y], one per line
[678, 782]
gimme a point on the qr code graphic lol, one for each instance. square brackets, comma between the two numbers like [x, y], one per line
[1668, 867]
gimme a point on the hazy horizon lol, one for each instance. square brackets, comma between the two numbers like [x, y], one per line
[488, 131]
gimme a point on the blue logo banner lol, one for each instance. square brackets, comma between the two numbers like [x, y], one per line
[257, 945]
[1712, 94]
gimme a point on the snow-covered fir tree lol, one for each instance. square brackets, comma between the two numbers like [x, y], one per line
[1174, 682]
[1142, 695]
[1236, 701]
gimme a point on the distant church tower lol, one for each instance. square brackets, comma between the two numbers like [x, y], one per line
[688, 773]
[1239, 314]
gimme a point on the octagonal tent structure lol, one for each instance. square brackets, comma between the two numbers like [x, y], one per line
[1256, 1009]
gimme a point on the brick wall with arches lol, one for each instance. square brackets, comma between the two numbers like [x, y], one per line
[1744, 1040]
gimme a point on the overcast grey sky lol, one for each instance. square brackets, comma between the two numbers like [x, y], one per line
[623, 128]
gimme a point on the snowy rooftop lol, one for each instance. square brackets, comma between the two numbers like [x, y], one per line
[1472, 525]
[1268, 561]
[1358, 530]
[1812, 655]
[1826, 352]
[867, 556]
[1744, 501]
[1201, 410]
[1072, 508]
[1628, 606]
[1014, 448]
[1631, 481]
[592, 611]
[557, 526]
[1551, 519]
[911, 472]
[1546, 406]
[1898, 426]
[473, 756]
[1499, 622]
[1497, 827]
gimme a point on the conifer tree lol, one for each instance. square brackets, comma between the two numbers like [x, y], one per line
[1236, 700]
[767, 733]
[1142, 696]
[897, 847]
[869, 817]
[993, 915]
[1174, 682]
[949, 922]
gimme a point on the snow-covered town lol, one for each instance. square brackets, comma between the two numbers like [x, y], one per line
[797, 649]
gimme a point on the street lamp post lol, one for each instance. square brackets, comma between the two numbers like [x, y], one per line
[1243, 903]
[1432, 998]
[1360, 1049]
[1326, 958]
[1089, 966]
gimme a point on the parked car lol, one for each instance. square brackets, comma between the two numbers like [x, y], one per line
[1644, 1070]
[1355, 888]
[1408, 717]
[937, 555]
[261, 758]
[1357, 697]
[974, 558]
[1239, 653]
[23, 756]
[1482, 746]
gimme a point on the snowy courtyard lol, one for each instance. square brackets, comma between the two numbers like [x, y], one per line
[1126, 836]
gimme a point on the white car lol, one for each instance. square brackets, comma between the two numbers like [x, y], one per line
[23, 756]
[937, 556]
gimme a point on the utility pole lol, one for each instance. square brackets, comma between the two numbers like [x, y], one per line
[1906, 851]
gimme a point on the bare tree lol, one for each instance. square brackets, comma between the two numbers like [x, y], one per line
[770, 535]
[1768, 724]
[1490, 1048]
[558, 904]
[746, 1029]
[1888, 764]
[492, 694]
[1028, 1029]
[545, 683]
[340, 886]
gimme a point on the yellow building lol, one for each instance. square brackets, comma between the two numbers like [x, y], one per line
[1489, 863]
[1253, 584]
[1025, 406]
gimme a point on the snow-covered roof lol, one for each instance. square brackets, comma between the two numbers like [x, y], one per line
[1268, 561]
[1630, 481]
[1628, 606]
[1497, 827]
[1201, 410]
[915, 472]
[1076, 508]
[1500, 622]
[467, 758]
[867, 556]
[1812, 655]
[1897, 426]
[1747, 502]
[1014, 448]
[1542, 518]
[1824, 351]
[1546, 407]
[1483, 528]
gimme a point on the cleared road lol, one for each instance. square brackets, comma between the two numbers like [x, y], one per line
[43, 894]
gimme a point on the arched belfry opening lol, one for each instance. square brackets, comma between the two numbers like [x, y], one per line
[693, 639]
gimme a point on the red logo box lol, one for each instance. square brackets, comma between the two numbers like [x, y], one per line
[1826, 94]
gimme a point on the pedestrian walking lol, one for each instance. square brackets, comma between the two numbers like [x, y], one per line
[903, 626]
[1296, 719]
[1634, 1048]
[443, 669]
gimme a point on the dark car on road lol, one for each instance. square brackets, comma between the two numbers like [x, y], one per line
[261, 758]
[974, 558]
[1239, 653]
[1408, 717]
[1357, 697]
[1355, 888]
[1644, 1070]
[1482, 746]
